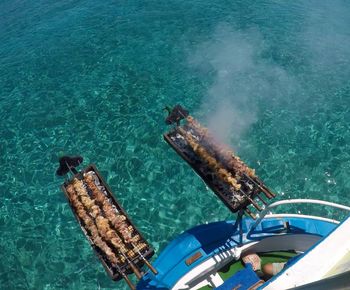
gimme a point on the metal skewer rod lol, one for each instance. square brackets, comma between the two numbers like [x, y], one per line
[134, 268]
[125, 277]
[132, 265]
[253, 216]
[261, 199]
[263, 189]
[72, 170]
[253, 202]
[148, 264]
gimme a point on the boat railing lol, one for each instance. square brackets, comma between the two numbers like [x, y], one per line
[267, 213]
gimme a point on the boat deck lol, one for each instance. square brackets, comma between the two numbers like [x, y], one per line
[270, 257]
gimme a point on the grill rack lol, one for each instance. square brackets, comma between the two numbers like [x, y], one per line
[251, 186]
[124, 268]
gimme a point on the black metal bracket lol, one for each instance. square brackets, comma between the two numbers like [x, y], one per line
[68, 164]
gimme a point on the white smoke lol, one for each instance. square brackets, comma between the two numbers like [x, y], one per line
[242, 78]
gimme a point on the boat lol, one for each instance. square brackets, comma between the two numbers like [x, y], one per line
[316, 251]
[301, 250]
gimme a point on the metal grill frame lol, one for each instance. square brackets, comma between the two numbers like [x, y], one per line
[112, 272]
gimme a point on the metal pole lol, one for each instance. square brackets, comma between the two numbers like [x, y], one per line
[148, 264]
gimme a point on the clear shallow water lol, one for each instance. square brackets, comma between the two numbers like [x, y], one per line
[92, 78]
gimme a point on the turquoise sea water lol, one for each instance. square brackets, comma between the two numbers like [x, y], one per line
[272, 78]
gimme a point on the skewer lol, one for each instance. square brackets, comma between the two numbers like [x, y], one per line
[97, 240]
[132, 265]
[261, 199]
[97, 191]
[263, 189]
[253, 216]
[112, 252]
[221, 151]
[253, 202]
[210, 161]
[148, 264]
[216, 166]
[125, 277]
[72, 170]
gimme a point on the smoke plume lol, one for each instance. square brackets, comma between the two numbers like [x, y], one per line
[241, 78]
